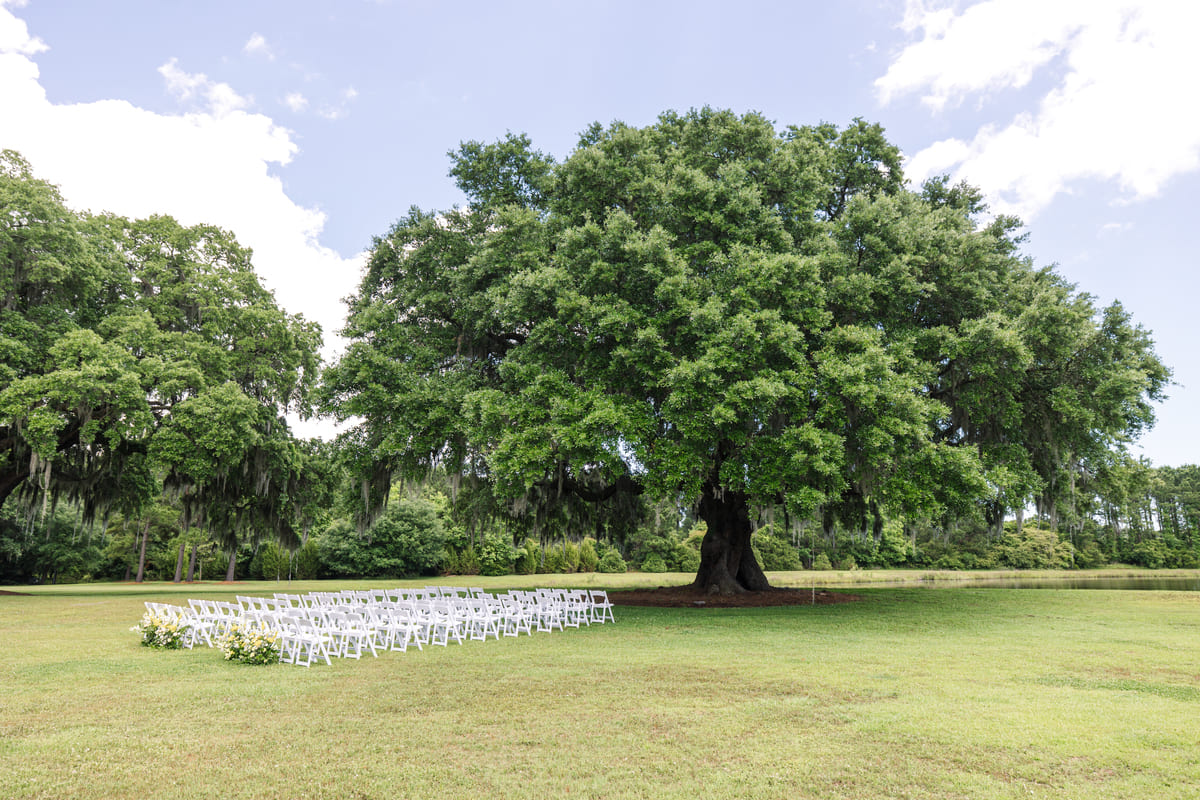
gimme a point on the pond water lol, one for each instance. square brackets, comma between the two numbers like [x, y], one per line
[1147, 582]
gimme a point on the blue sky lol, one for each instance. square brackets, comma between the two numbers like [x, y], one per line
[308, 127]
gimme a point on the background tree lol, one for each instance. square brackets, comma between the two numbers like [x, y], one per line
[142, 352]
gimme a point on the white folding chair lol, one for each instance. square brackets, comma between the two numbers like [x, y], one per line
[602, 607]
[311, 642]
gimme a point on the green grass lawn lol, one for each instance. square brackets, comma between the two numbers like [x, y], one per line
[908, 693]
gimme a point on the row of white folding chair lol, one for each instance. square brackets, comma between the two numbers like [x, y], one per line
[301, 640]
[516, 617]
[480, 614]
[576, 605]
[412, 617]
[455, 591]
[338, 632]
[220, 614]
[386, 628]
[392, 631]
[295, 600]
[547, 610]
[308, 632]
[571, 607]
[451, 615]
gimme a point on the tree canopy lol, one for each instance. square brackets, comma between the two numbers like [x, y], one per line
[138, 352]
[711, 308]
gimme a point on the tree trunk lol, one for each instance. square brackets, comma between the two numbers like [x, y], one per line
[727, 563]
[231, 573]
[876, 523]
[179, 561]
[829, 528]
[141, 573]
[11, 479]
[191, 576]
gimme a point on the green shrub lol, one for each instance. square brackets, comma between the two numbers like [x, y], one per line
[407, 540]
[410, 539]
[654, 563]
[1187, 559]
[611, 562]
[949, 561]
[588, 558]
[341, 550]
[271, 563]
[463, 561]
[647, 544]
[1032, 548]
[822, 562]
[775, 554]
[553, 560]
[894, 548]
[306, 563]
[847, 563]
[570, 557]
[528, 558]
[1151, 554]
[1089, 555]
[496, 554]
[685, 559]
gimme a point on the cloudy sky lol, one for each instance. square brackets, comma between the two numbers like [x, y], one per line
[307, 126]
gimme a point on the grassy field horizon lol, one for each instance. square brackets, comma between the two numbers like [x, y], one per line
[910, 692]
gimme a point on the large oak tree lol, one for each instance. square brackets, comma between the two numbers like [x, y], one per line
[712, 308]
[134, 353]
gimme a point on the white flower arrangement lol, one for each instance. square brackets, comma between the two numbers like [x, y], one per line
[161, 631]
[250, 643]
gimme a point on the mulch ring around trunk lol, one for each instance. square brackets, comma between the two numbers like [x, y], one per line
[687, 597]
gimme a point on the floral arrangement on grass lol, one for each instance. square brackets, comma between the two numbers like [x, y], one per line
[249, 643]
[161, 630]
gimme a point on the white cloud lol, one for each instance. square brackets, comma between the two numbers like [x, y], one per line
[1115, 228]
[221, 97]
[1120, 109]
[211, 165]
[257, 45]
[295, 101]
[14, 34]
[335, 112]
[988, 47]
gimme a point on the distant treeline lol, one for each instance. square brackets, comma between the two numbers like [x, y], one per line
[1153, 522]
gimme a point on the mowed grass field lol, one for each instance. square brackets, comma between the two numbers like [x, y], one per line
[907, 693]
